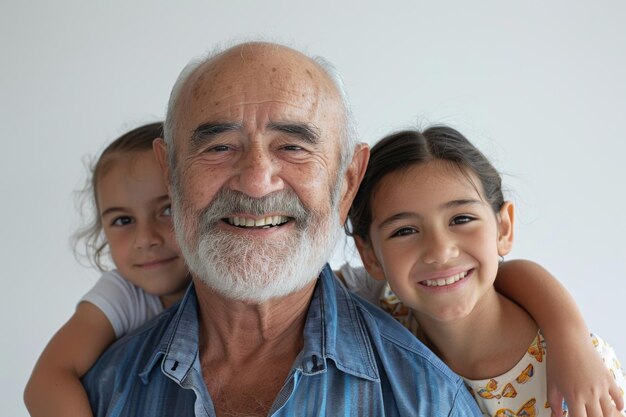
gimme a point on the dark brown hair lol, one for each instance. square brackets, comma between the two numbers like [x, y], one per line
[402, 150]
[90, 237]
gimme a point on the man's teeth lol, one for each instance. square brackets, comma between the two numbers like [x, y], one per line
[445, 281]
[264, 222]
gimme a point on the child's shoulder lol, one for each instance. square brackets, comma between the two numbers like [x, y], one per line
[358, 281]
[125, 305]
[113, 287]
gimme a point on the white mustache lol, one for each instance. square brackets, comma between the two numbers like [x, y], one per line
[228, 202]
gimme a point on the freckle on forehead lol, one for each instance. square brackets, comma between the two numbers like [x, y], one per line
[204, 78]
[233, 74]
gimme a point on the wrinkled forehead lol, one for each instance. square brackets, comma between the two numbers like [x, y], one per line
[263, 81]
[265, 68]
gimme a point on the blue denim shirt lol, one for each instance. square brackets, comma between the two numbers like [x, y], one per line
[356, 361]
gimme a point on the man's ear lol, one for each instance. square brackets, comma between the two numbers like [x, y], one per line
[160, 153]
[370, 261]
[352, 179]
[506, 218]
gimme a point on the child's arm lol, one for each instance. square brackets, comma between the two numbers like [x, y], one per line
[575, 370]
[54, 388]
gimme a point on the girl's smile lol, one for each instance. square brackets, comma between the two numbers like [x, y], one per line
[435, 239]
[447, 280]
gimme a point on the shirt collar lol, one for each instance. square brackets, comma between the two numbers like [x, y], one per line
[333, 330]
[179, 343]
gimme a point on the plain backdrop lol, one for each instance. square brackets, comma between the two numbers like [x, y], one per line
[538, 86]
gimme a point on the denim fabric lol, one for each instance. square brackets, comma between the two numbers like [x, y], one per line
[356, 361]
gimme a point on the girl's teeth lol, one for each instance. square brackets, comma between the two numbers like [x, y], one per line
[445, 281]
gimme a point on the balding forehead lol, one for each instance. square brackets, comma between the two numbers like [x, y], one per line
[262, 53]
[261, 64]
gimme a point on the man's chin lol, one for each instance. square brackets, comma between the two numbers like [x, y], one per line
[233, 286]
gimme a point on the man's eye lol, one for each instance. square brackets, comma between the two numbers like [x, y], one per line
[167, 211]
[292, 148]
[404, 232]
[219, 148]
[122, 221]
[461, 220]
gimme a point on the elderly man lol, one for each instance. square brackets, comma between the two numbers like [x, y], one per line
[262, 165]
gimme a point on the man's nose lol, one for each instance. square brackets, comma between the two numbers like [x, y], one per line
[147, 235]
[257, 173]
[439, 248]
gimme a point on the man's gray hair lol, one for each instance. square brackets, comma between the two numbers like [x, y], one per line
[348, 130]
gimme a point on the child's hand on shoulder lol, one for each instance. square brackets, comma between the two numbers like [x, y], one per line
[589, 389]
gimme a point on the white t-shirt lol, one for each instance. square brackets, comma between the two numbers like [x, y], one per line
[358, 281]
[125, 305]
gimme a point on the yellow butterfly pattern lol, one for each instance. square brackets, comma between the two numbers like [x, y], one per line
[537, 349]
[489, 390]
[527, 410]
[509, 391]
[526, 374]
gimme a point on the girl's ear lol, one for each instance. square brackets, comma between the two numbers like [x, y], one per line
[369, 259]
[506, 218]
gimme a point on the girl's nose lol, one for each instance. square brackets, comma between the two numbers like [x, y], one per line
[148, 235]
[439, 249]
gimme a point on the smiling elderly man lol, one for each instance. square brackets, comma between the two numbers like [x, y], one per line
[262, 163]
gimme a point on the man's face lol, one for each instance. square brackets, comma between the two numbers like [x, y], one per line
[256, 186]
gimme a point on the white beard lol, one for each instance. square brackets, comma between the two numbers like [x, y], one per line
[256, 269]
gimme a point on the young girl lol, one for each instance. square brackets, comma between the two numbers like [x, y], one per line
[431, 220]
[133, 220]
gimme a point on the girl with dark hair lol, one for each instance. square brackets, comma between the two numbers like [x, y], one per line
[131, 222]
[430, 220]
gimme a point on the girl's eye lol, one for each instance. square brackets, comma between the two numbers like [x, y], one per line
[461, 220]
[405, 231]
[122, 221]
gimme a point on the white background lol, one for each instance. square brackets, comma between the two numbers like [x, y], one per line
[538, 86]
